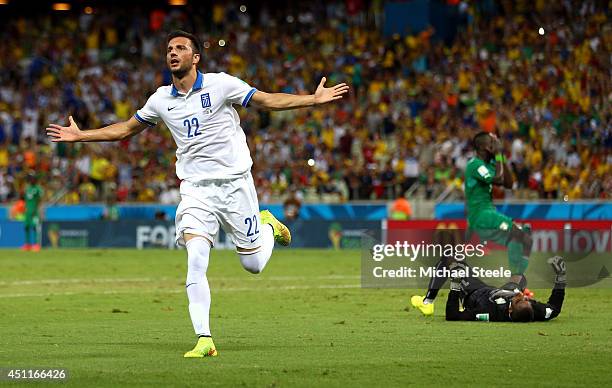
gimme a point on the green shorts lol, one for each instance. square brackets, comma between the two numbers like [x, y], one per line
[31, 220]
[491, 225]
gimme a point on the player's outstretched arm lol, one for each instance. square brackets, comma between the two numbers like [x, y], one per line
[72, 133]
[283, 101]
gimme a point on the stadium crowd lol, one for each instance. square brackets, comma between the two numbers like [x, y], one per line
[414, 105]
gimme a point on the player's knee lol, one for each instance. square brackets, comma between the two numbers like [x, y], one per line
[196, 269]
[254, 270]
[252, 259]
[251, 264]
[516, 232]
[198, 250]
[521, 236]
[197, 264]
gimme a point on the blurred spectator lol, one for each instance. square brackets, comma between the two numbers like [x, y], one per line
[161, 215]
[170, 193]
[292, 206]
[400, 209]
[111, 211]
[17, 211]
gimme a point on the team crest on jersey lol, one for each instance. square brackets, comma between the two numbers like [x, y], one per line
[483, 171]
[205, 100]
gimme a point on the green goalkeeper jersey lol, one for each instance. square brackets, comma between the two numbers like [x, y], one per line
[33, 196]
[478, 184]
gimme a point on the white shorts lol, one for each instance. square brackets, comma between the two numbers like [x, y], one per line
[229, 203]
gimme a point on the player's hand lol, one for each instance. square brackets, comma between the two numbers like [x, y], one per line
[323, 94]
[558, 265]
[498, 146]
[57, 133]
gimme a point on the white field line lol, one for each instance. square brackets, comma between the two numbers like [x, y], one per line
[181, 290]
[77, 281]
[147, 279]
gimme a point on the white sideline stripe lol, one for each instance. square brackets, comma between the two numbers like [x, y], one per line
[75, 281]
[144, 280]
[179, 291]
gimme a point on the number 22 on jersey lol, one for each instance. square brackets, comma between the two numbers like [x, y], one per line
[193, 127]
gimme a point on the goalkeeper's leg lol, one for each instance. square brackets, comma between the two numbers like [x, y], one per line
[426, 303]
[435, 282]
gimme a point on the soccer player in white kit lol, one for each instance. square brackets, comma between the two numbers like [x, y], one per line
[213, 164]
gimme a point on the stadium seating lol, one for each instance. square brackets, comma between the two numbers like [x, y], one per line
[414, 104]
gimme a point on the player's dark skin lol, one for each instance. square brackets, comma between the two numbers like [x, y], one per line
[490, 146]
[520, 301]
[486, 150]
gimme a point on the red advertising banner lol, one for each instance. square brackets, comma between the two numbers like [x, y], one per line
[548, 236]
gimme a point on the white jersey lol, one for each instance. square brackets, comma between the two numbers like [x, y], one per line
[205, 126]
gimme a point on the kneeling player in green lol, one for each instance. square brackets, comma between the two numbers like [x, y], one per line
[33, 197]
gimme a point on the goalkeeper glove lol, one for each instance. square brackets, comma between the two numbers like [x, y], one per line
[558, 265]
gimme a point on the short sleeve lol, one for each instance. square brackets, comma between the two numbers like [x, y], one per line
[482, 173]
[147, 114]
[236, 90]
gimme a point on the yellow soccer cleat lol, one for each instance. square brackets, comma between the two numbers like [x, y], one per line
[417, 302]
[282, 235]
[204, 348]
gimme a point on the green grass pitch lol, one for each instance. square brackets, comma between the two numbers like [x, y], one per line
[119, 317]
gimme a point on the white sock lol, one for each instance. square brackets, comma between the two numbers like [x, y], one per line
[198, 291]
[427, 301]
[255, 262]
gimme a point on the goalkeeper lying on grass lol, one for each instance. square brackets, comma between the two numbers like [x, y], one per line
[483, 302]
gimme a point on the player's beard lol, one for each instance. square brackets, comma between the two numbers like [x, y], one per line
[181, 72]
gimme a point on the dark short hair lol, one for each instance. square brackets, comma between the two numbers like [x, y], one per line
[195, 42]
[479, 139]
[522, 312]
